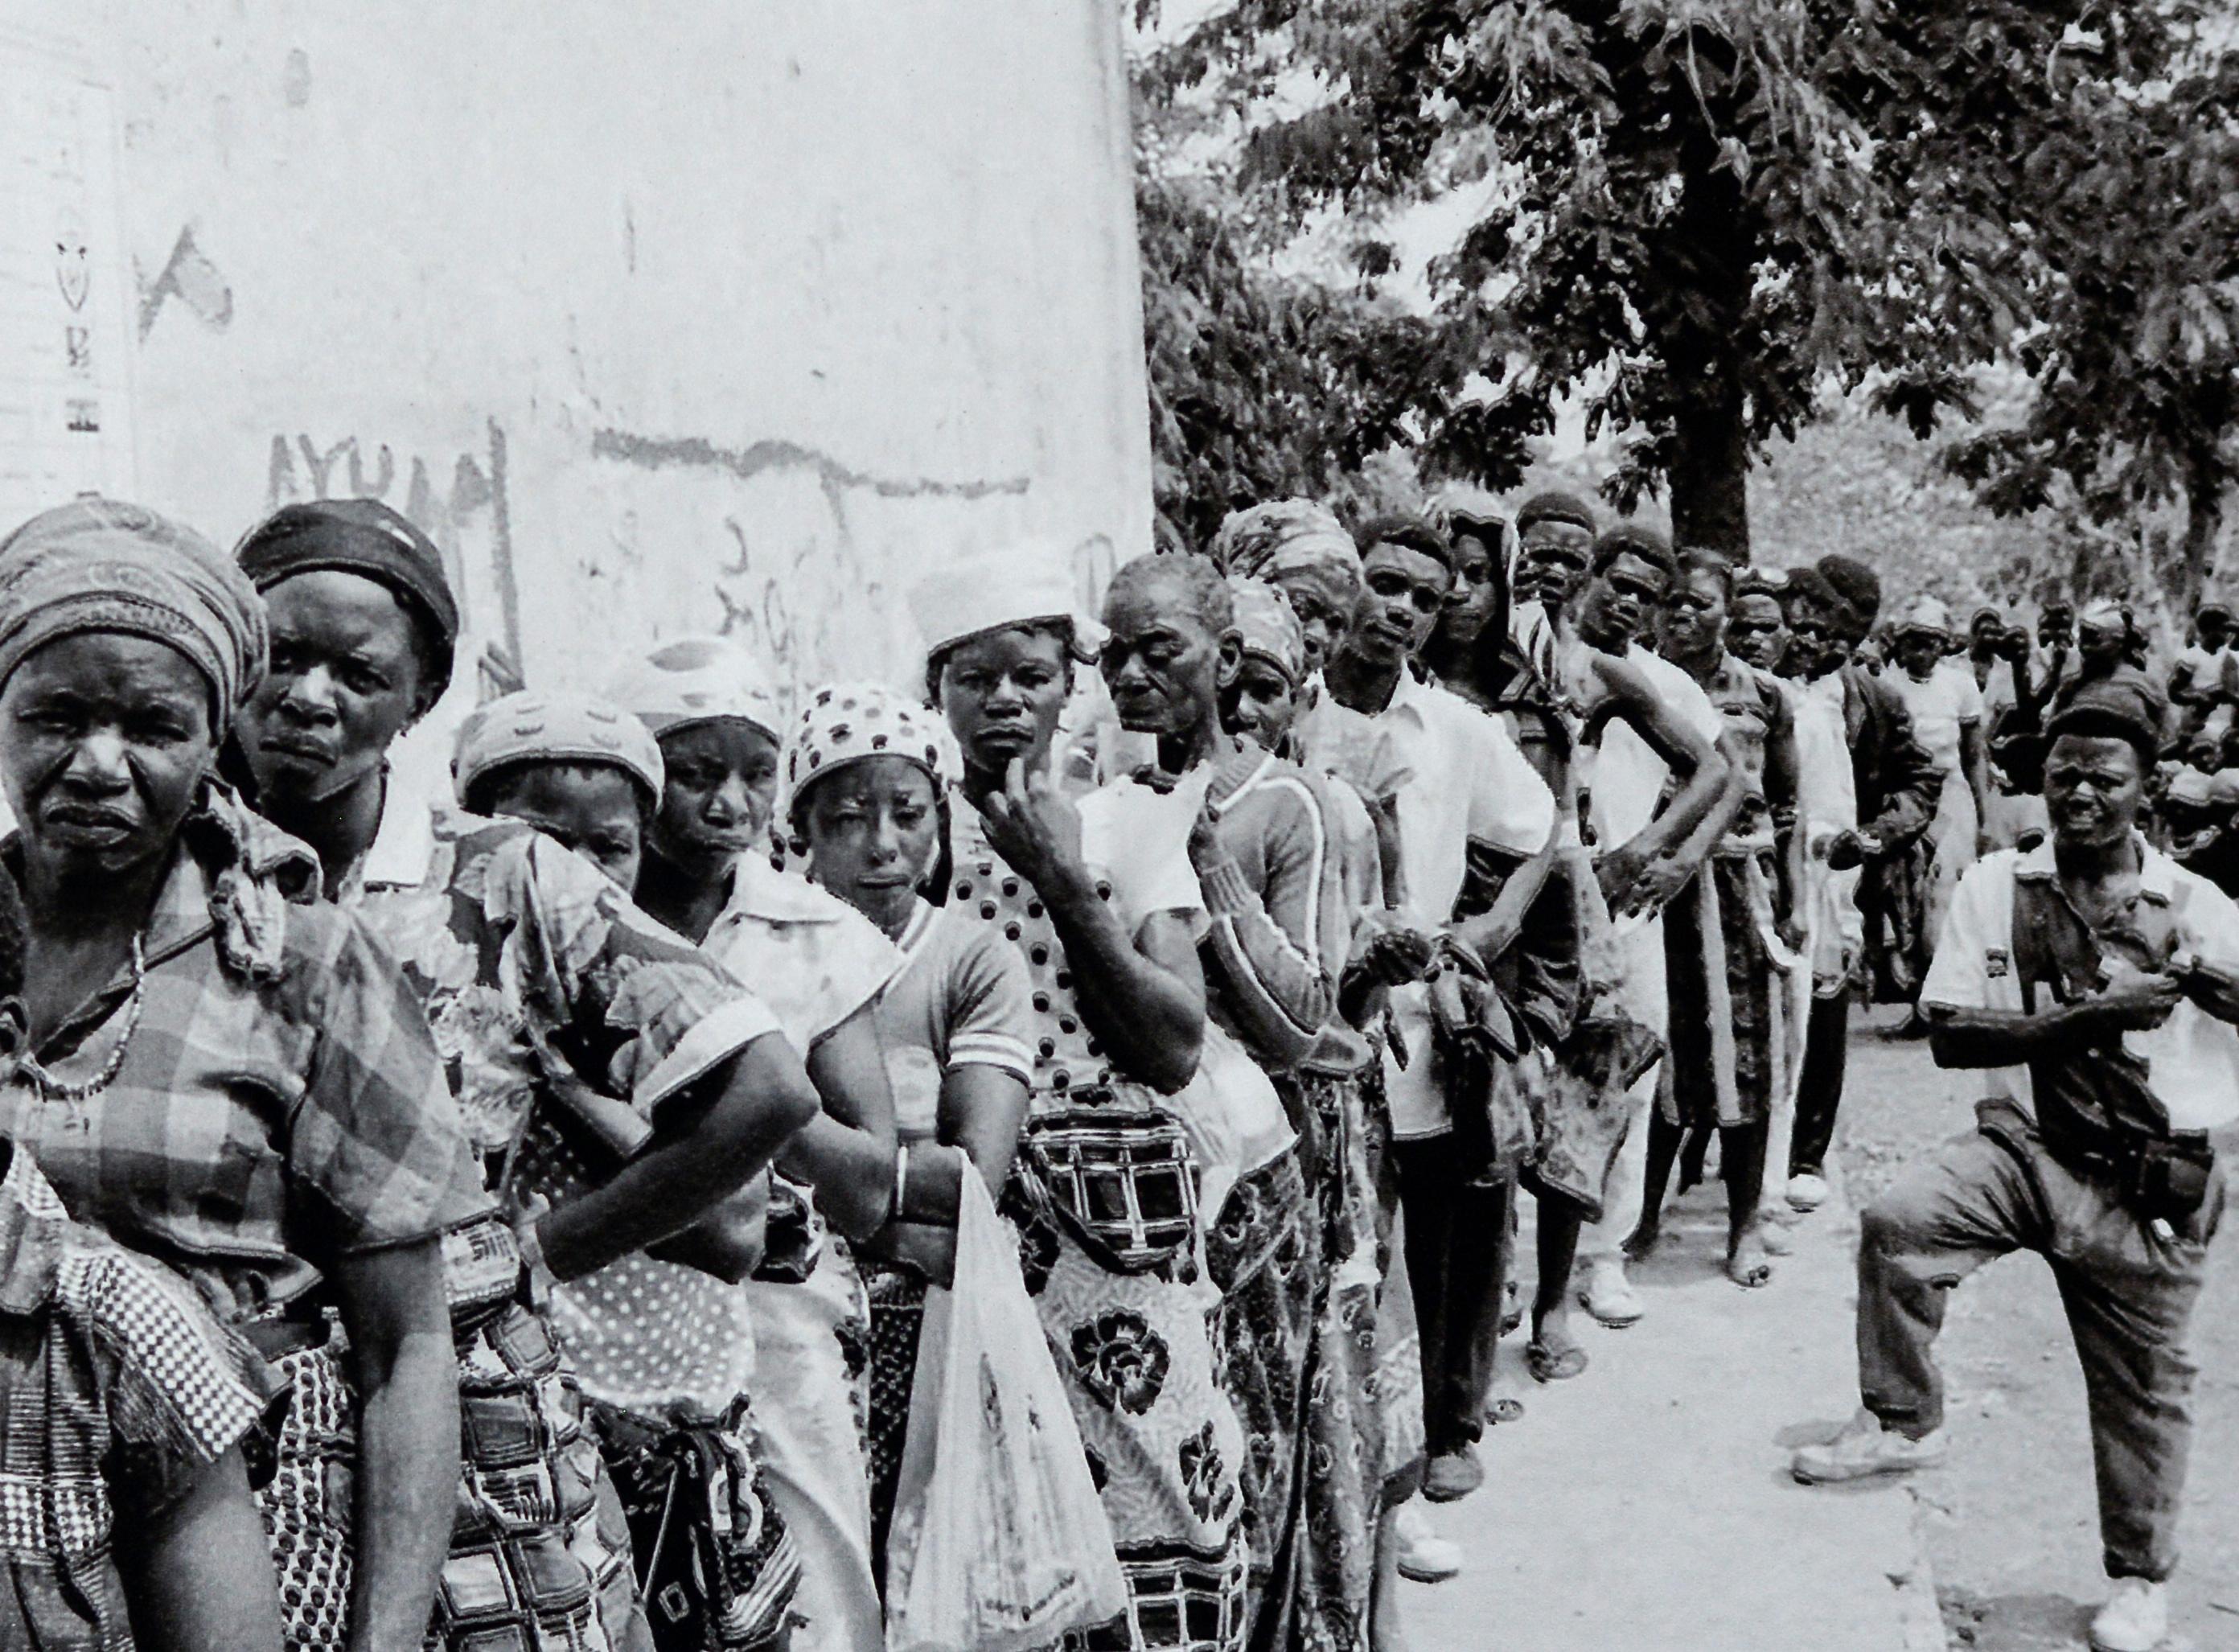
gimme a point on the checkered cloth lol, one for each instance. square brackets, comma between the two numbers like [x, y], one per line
[280, 1104]
[114, 1387]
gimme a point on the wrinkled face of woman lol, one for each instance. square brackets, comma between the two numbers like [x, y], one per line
[104, 742]
[1003, 694]
[1262, 702]
[1323, 599]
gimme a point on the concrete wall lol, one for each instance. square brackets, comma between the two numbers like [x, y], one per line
[728, 314]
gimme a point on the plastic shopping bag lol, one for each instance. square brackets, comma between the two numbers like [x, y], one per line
[1000, 1543]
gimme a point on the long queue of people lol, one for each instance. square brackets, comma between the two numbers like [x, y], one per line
[561, 1217]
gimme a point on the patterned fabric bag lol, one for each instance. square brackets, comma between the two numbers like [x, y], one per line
[1000, 1541]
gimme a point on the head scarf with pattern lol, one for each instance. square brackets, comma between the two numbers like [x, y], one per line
[1284, 536]
[848, 723]
[1268, 628]
[697, 679]
[101, 565]
[533, 727]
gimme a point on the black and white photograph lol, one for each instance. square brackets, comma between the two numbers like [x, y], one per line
[1118, 826]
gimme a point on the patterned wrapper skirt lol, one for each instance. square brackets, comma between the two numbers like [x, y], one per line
[1135, 1352]
[1728, 1003]
[1341, 1444]
[307, 1503]
[1264, 1251]
[715, 1565]
[1398, 1378]
[897, 1322]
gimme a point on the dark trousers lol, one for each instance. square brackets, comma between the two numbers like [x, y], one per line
[2129, 1293]
[1458, 1242]
[1819, 1088]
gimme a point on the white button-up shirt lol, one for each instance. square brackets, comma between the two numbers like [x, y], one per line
[2192, 1059]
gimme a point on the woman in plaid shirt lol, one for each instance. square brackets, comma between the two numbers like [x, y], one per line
[240, 1086]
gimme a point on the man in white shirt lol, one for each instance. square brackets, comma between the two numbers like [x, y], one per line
[2095, 984]
[1464, 782]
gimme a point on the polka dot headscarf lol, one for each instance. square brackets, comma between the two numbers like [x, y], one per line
[845, 723]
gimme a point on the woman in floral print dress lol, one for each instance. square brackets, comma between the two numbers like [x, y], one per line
[1107, 1202]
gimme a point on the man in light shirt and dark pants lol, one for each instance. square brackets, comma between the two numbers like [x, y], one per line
[2096, 984]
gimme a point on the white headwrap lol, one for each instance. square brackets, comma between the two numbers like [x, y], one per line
[529, 727]
[1016, 584]
[697, 679]
[846, 723]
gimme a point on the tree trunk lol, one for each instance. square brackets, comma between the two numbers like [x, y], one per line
[1710, 479]
[2204, 517]
[1702, 263]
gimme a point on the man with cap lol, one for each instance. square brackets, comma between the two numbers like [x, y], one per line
[2095, 985]
[1894, 786]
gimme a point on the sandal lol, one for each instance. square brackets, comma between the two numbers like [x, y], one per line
[1501, 1408]
[1549, 1364]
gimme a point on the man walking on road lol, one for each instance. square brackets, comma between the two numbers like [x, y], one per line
[2095, 983]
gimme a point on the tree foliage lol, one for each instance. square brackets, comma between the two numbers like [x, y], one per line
[1264, 385]
[2134, 361]
[1689, 215]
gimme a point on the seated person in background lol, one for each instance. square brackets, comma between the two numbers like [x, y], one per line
[123, 1407]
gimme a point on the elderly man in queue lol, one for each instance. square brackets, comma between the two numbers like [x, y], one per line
[2094, 983]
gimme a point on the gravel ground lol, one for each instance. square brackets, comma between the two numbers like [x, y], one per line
[2011, 1522]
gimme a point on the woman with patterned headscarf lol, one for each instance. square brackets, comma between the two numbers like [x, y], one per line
[233, 1082]
[866, 778]
[820, 966]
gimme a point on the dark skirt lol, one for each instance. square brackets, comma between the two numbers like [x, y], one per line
[716, 1567]
[897, 1322]
[1263, 1254]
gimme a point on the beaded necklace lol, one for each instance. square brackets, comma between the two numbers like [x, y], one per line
[53, 1089]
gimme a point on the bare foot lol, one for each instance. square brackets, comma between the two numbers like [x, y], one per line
[1644, 1241]
[1747, 1264]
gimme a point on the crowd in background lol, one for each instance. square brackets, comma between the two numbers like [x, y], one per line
[585, 1214]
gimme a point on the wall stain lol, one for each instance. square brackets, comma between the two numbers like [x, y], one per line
[190, 277]
[658, 453]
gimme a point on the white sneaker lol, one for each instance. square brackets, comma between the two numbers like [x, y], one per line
[1807, 1192]
[1610, 1298]
[1864, 1449]
[2134, 1618]
[1424, 1557]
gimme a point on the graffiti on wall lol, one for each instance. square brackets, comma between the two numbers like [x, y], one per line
[463, 508]
[802, 579]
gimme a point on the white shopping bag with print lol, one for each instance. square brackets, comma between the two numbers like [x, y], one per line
[1000, 1543]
